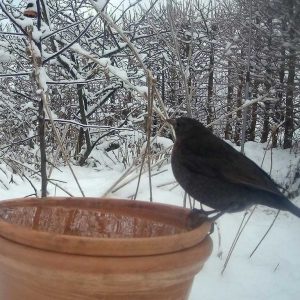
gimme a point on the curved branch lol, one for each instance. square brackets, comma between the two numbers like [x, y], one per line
[70, 44]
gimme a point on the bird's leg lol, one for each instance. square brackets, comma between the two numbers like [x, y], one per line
[202, 212]
[218, 215]
[232, 207]
[197, 216]
[213, 221]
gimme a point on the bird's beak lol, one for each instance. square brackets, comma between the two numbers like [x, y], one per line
[171, 121]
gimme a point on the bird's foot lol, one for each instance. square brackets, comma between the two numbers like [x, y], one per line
[213, 221]
[196, 217]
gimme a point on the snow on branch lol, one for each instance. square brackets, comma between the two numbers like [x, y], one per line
[69, 45]
[105, 64]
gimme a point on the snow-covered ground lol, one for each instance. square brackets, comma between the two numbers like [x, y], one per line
[272, 272]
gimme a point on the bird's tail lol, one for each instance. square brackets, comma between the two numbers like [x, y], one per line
[292, 208]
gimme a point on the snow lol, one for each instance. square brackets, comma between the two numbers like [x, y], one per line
[143, 89]
[99, 4]
[259, 277]
[28, 105]
[26, 22]
[118, 72]
[158, 144]
[5, 56]
[36, 34]
[76, 47]
[271, 273]
[112, 50]
[43, 78]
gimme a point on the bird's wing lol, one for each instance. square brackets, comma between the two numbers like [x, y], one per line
[222, 161]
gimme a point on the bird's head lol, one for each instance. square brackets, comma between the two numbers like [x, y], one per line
[185, 126]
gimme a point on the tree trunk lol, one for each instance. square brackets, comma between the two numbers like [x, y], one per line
[228, 127]
[291, 57]
[266, 124]
[289, 106]
[256, 83]
[279, 114]
[41, 132]
[239, 101]
[163, 80]
[83, 132]
[252, 128]
[268, 80]
[210, 87]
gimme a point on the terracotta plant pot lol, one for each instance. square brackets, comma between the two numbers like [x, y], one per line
[88, 248]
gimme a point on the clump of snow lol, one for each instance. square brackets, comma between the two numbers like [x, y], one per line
[77, 48]
[26, 22]
[43, 78]
[5, 55]
[28, 105]
[111, 50]
[118, 72]
[158, 144]
[99, 4]
[104, 61]
[36, 34]
[142, 89]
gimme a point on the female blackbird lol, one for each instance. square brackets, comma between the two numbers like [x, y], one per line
[217, 175]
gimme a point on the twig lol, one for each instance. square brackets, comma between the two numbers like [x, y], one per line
[15, 74]
[58, 150]
[41, 113]
[132, 48]
[149, 123]
[220, 252]
[175, 186]
[69, 45]
[44, 98]
[276, 267]
[12, 19]
[57, 185]
[246, 104]
[19, 142]
[168, 183]
[181, 67]
[59, 140]
[62, 29]
[32, 185]
[265, 152]
[133, 168]
[81, 125]
[237, 236]
[140, 175]
[124, 175]
[35, 172]
[116, 187]
[190, 202]
[264, 236]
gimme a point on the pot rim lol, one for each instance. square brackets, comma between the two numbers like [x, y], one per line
[99, 246]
